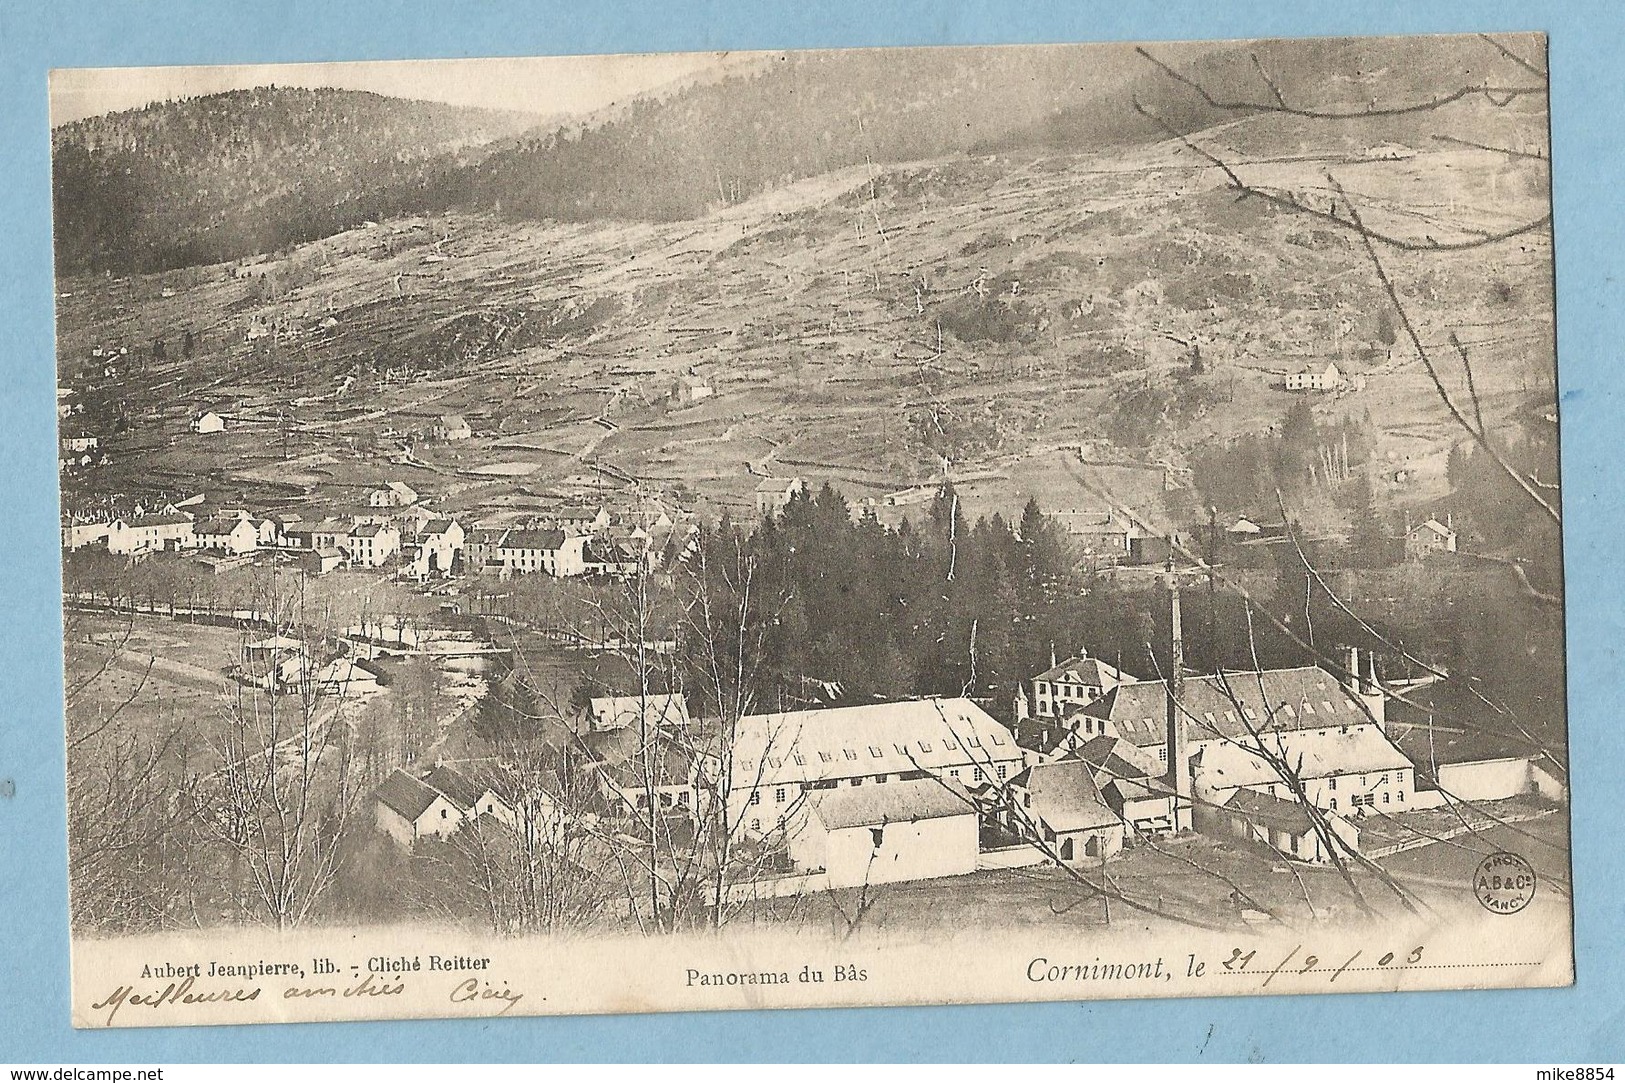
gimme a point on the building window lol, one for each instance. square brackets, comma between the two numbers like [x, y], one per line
[1334, 804]
[976, 775]
[1331, 783]
[756, 797]
[881, 778]
[1162, 754]
[1004, 771]
[756, 825]
[1385, 797]
[954, 773]
[442, 814]
[778, 795]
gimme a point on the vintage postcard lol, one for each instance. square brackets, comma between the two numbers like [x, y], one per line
[655, 533]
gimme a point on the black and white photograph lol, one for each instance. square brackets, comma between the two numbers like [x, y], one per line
[676, 532]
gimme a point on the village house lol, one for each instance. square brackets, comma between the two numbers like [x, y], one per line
[1430, 537]
[409, 808]
[660, 710]
[912, 830]
[230, 536]
[406, 809]
[642, 770]
[779, 758]
[80, 443]
[371, 545]
[320, 561]
[553, 552]
[1286, 826]
[773, 495]
[452, 427]
[472, 793]
[395, 494]
[578, 519]
[207, 421]
[616, 558]
[149, 534]
[439, 541]
[1315, 378]
[1062, 804]
[1073, 683]
[347, 678]
[480, 546]
[1132, 785]
[77, 535]
[689, 388]
[1102, 536]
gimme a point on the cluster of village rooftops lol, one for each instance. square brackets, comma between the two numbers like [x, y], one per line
[1096, 761]
[395, 529]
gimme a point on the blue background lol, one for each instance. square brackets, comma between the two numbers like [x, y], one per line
[1574, 1025]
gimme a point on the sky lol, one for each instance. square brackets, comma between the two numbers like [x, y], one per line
[547, 86]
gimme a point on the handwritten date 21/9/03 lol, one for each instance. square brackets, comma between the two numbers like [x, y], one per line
[1247, 962]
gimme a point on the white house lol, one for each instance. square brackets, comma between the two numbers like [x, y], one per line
[452, 427]
[439, 541]
[914, 830]
[79, 535]
[232, 536]
[1428, 538]
[396, 494]
[553, 552]
[773, 495]
[149, 533]
[207, 421]
[1315, 378]
[347, 678]
[408, 810]
[689, 388]
[371, 545]
[1064, 805]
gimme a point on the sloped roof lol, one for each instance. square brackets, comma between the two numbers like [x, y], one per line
[405, 795]
[778, 485]
[1113, 758]
[173, 519]
[549, 540]
[622, 712]
[1321, 753]
[1435, 526]
[1306, 697]
[463, 791]
[890, 803]
[220, 526]
[1083, 670]
[1267, 810]
[369, 530]
[872, 739]
[1065, 796]
[438, 526]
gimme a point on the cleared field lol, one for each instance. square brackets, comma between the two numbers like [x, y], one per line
[856, 328]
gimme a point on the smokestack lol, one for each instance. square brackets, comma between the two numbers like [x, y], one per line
[1179, 775]
[1353, 681]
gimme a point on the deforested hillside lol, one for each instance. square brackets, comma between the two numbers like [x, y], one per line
[248, 171]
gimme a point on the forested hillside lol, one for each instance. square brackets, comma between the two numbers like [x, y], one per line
[248, 171]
